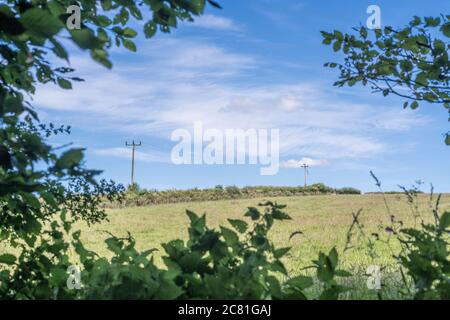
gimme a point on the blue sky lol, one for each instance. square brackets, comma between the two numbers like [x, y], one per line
[254, 64]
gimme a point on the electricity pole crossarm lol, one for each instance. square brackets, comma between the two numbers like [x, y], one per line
[133, 146]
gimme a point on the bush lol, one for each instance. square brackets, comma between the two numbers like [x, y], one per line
[146, 197]
[348, 191]
[236, 262]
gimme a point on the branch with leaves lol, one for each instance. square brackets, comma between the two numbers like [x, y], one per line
[410, 62]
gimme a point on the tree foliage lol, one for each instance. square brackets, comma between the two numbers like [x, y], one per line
[36, 179]
[43, 188]
[411, 62]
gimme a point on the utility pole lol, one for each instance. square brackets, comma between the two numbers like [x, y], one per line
[305, 167]
[133, 146]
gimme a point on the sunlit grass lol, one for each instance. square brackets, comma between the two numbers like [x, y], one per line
[323, 220]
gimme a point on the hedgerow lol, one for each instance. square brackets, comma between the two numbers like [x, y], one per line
[136, 196]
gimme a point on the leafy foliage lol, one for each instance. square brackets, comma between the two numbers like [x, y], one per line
[136, 196]
[423, 258]
[44, 189]
[411, 62]
[29, 32]
[230, 263]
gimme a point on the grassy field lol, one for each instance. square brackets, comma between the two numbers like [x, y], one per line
[324, 221]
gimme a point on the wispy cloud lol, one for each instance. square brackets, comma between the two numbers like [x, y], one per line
[279, 11]
[296, 164]
[126, 154]
[168, 88]
[211, 21]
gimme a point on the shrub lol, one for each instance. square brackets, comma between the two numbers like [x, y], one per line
[423, 259]
[146, 197]
[236, 262]
[348, 190]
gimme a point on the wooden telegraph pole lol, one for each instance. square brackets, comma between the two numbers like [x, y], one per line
[133, 146]
[305, 167]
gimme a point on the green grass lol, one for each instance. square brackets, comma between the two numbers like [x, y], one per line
[324, 221]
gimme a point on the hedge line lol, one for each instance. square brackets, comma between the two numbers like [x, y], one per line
[142, 197]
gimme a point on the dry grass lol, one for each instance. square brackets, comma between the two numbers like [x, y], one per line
[324, 221]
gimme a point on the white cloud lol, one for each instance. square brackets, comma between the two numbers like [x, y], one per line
[296, 164]
[165, 88]
[126, 154]
[290, 103]
[211, 21]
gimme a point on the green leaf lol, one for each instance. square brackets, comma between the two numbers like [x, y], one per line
[113, 245]
[129, 33]
[59, 50]
[168, 290]
[414, 105]
[432, 22]
[275, 288]
[280, 215]
[214, 285]
[56, 8]
[106, 5]
[101, 56]
[444, 221]
[65, 84]
[337, 45]
[58, 277]
[330, 294]
[69, 158]
[239, 225]
[192, 216]
[190, 262]
[173, 269]
[278, 253]
[334, 258]
[41, 22]
[84, 38]
[12, 104]
[253, 213]
[324, 275]
[415, 22]
[31, 200]
[446, 29]
[278, 266]
[363, 32]
[300, 282]
[102, 21]
[231, 238]
[7, 258]
[406, 65]
[150, 29]
[338, 35]
[129, 45]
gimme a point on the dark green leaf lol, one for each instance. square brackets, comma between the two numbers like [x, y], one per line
[69, 158]
[444, 221]
[7, 258]
[65, 84]
[278, 253]
[239, 225]
[41, 22]
[129, 45]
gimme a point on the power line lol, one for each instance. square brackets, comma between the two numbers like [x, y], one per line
[133, 146]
